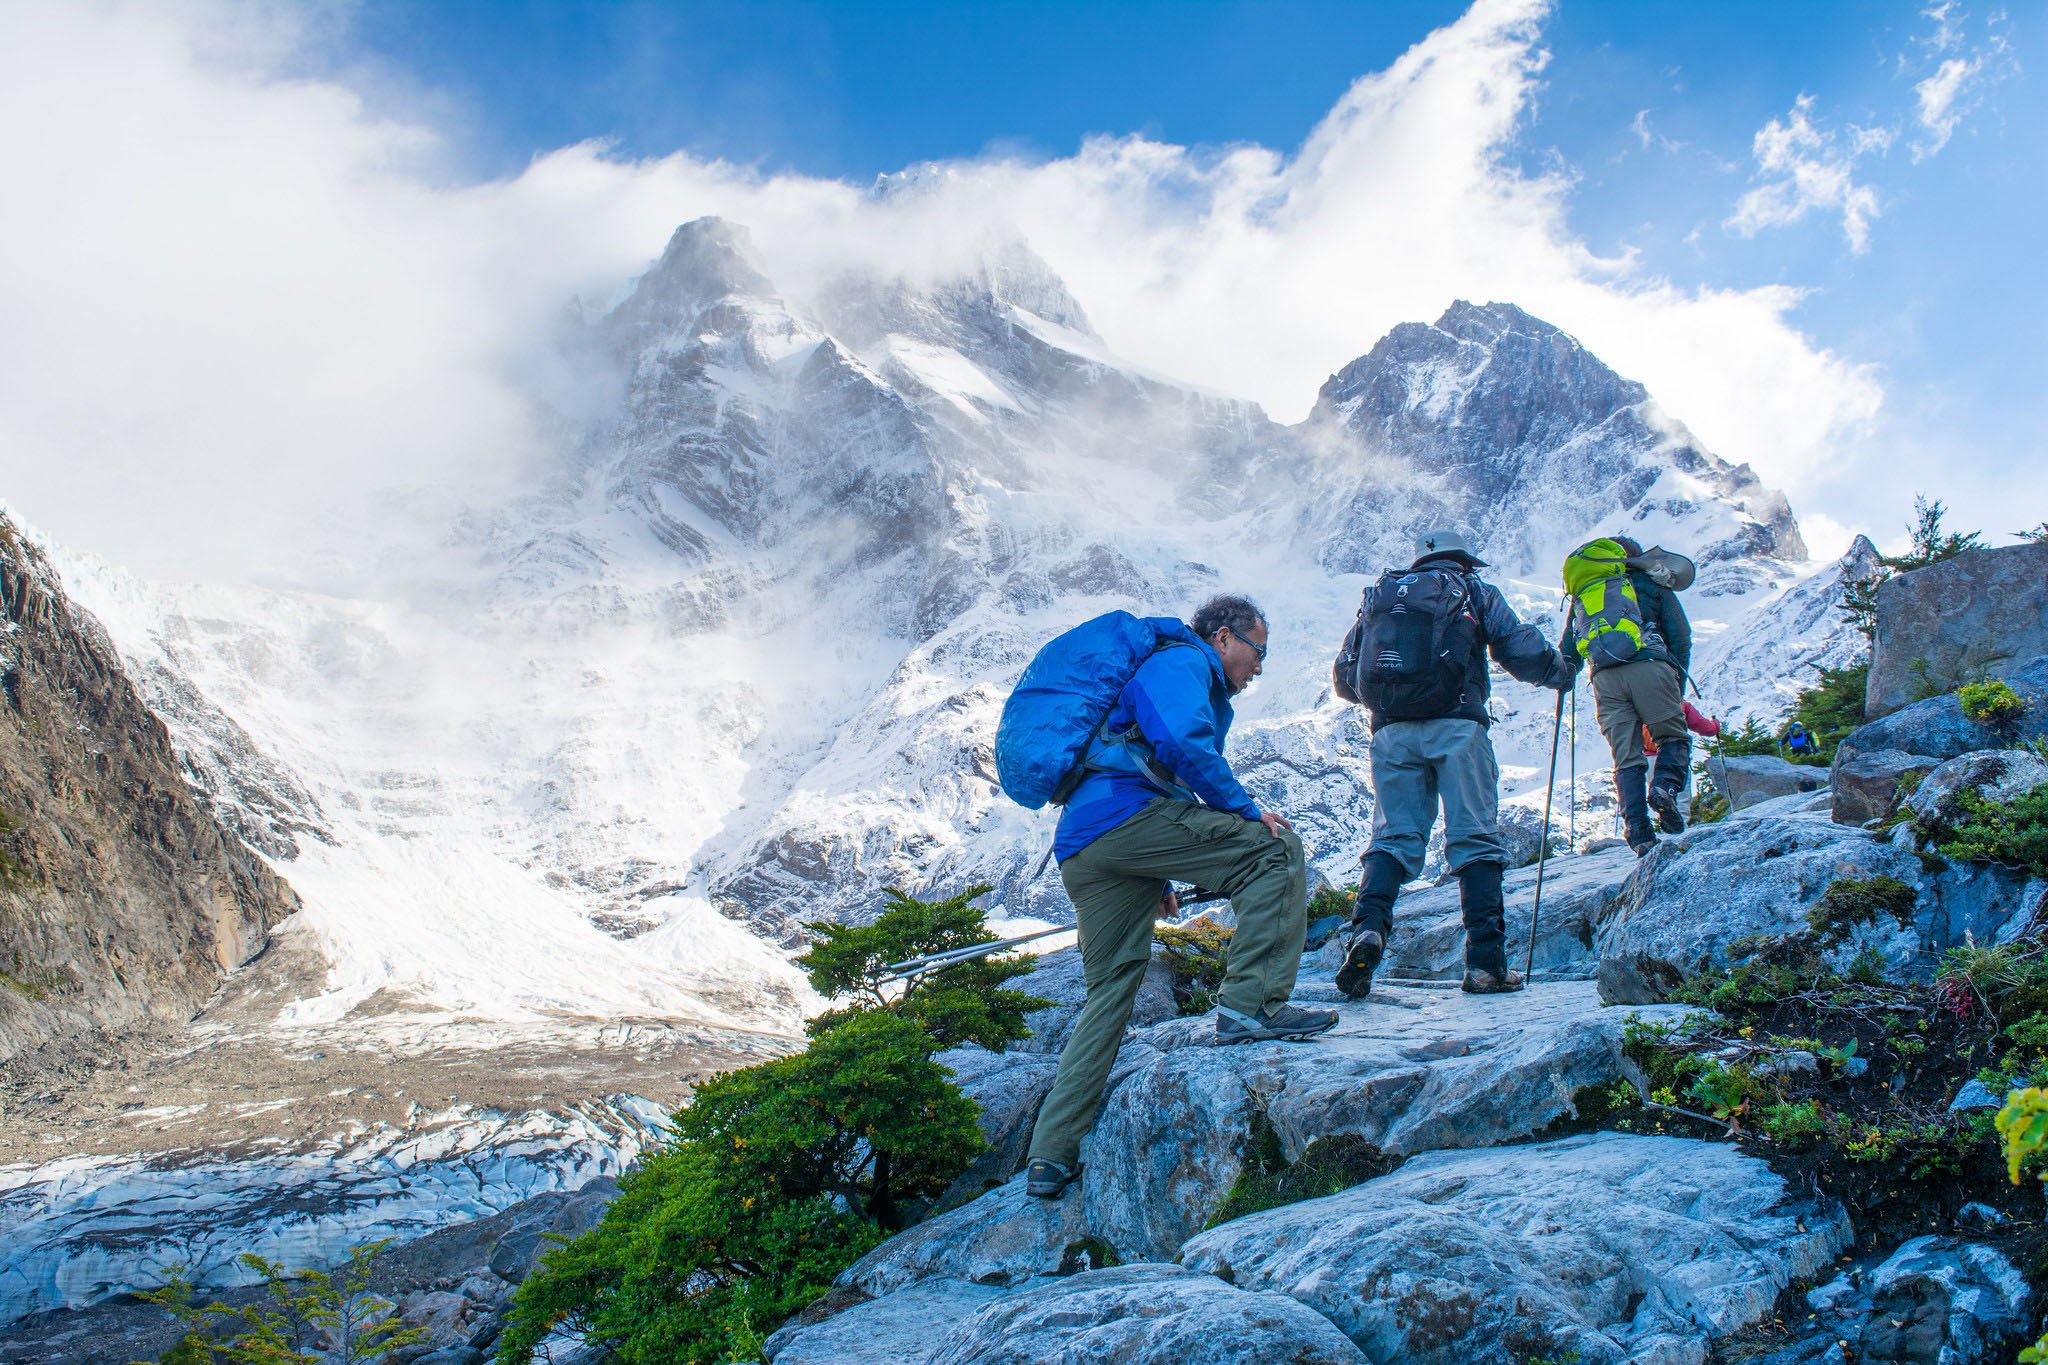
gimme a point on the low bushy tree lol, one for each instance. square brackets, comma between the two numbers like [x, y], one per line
[965, 1003]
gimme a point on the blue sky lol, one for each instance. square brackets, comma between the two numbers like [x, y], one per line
[1812, 229]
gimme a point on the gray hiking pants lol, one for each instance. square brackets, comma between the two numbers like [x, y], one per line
[1626, 697]
[1116, 884]
[1416, 763]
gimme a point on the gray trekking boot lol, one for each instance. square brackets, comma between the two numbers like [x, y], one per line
[1478, 982]
[1045, 1179]
[1287, 1022]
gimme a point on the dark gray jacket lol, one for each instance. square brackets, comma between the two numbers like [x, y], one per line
[1514, 644]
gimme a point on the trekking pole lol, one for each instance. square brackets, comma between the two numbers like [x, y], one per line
[1572, 800]
[1543, 845]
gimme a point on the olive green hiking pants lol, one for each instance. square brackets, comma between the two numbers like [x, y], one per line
[1627, 697]
[1116, 884]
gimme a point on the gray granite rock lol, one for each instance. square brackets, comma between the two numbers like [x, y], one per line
[1936, 1300]
[1866, 787]
[1811, 805]
[1146, 1315]
[1058, 978]
[1615, 1247]
[1938, 728]
[1715, 884]
[1409, 1069]
[1760, 777]
[904, 1328]
[1003, 1238]
[1982, 611]
[1008, 1086]
[1990, 774]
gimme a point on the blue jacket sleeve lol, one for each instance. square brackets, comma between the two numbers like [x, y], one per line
[1170, 700]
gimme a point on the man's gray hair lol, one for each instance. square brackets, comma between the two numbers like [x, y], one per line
[1238, 613]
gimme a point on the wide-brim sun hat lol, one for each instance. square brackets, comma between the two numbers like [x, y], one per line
[1433, 544]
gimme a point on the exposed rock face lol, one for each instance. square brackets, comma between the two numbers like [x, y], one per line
[1935, 1300]
[1761, 877]
[902, 1329]
[1866, 787]
[1058, 978]
[1616, 1248]
[1146, 1315]
[1937, 727]
[1989, 775]
[1408, 1070]
[1008, 1086]
[122, 901]
[1983, 611]
[1759, 777]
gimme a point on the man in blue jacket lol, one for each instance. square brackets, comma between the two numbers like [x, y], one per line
[1159, 804]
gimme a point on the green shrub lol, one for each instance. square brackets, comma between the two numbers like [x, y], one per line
[1832, 706]
[1992, 703]
[964, 1003]
[1329, 901]
[2014, 831]
[778, 1176]
[1741, 741]
[1195, 955]
[306, 1317]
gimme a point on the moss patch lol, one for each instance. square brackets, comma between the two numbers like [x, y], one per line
[1853, 902]
[1330, 1166]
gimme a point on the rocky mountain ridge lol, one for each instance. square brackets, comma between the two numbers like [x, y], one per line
[123, 903]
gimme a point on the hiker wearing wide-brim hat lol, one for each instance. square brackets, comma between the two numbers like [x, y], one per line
[1416, 659]
[1631, 629]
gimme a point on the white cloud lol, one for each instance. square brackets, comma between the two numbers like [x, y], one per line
[1964, 70]
[1940, 111]
[234, 300]
[1803, 168]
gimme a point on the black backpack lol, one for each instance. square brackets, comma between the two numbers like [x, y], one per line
[1409, 655]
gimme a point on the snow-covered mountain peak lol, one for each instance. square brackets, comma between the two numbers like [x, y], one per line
[1508, 426]
[746, 653]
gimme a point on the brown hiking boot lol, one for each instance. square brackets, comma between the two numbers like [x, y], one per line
[1480, 982]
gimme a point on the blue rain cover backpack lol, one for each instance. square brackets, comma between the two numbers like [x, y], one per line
[1064, 696]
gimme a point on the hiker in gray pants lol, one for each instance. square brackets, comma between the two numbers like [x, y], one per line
[1420, 760]
[1160, 804]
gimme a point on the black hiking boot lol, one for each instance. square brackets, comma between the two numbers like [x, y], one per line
[1630, 787]
[1486, 968]
[1372, 920]
[1667, 784]
[1288, 1022]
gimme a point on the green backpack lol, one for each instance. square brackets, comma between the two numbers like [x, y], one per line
[1606, 615]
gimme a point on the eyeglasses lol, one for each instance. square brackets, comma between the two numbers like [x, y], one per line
[1258, 648]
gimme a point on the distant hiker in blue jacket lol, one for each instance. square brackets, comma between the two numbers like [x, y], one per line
[1159, 803]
